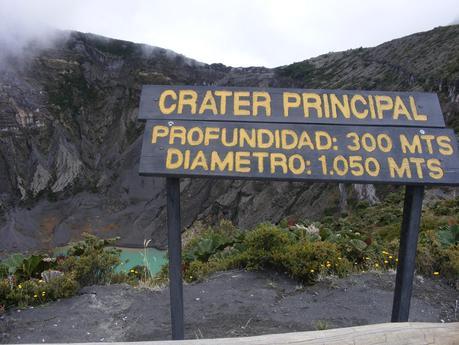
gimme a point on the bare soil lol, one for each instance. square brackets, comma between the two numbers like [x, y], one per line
[228, 304]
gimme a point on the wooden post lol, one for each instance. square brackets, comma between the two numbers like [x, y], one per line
[407, 253]
[174, 239]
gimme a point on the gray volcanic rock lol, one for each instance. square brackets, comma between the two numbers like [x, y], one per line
[70, 141]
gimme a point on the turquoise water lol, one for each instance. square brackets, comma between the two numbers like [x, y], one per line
[131, 257]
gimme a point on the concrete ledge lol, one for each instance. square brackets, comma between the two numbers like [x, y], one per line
[415, 333]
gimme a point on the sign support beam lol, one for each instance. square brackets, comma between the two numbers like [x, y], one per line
[174, 238]
[407, 253]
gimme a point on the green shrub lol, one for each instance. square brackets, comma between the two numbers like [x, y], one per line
[27, 293]
[261, 243]
[91, 261]
[297, 252]
[352, 245]
[449, 266]
[123, 278]
[367, 237]
[306, 260]
[5, 290]
[13, 262]
[63, 287]
[446, 207]
[196, 271]
[3, 271]
[139, 272]
[211, 241]
[24, 267]
[35, 291]
[31, 267]
[448, 235]
[205, 247]
[433, 256]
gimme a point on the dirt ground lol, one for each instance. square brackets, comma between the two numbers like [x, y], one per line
[229, 304]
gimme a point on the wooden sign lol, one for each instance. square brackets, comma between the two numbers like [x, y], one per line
[300, 152]
[297, 135]
[242, 104]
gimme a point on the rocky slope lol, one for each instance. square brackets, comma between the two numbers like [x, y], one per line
[70, 141]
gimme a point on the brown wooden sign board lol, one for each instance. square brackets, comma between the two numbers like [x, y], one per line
[247, 104]
[300, 152]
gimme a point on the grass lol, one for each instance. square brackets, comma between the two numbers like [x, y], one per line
[321, 325]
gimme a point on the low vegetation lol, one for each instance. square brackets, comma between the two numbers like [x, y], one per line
[36, 279]
[364, 239]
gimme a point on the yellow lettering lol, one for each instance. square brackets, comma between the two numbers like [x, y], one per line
[234, 138]
[242, 161]
[294, 167]
[162, 101]
[312, 100]
[305, 140]
[445, 145]
[191, 136]
[226, 164]
[247, 139]
[402, 170]
[199, 161]
[428, 140]
[261, 163]
[326, 105]
[187, 97]
[358, 114]
[434, 165]
[323, 140]
[223, 96]
[174, 158]
[159, 132]
[265, 138]
[278, 160]
[240, 102]
[417, 162]
[208, 103]
[400, 109]
[383, 103]
[290, 100]
[211, 133]
[288, 133]
[342, 106]
[372, 107]
[413, 147]
[178, 132]
[263, 100]
[414, 110]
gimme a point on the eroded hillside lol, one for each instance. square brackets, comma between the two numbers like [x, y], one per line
[70, 141]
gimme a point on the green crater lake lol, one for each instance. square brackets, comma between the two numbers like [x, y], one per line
[131, 257]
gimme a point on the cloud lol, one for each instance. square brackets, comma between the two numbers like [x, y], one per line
[23, 34]
[233, 32]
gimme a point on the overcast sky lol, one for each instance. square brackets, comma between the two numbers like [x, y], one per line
[233, 32]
